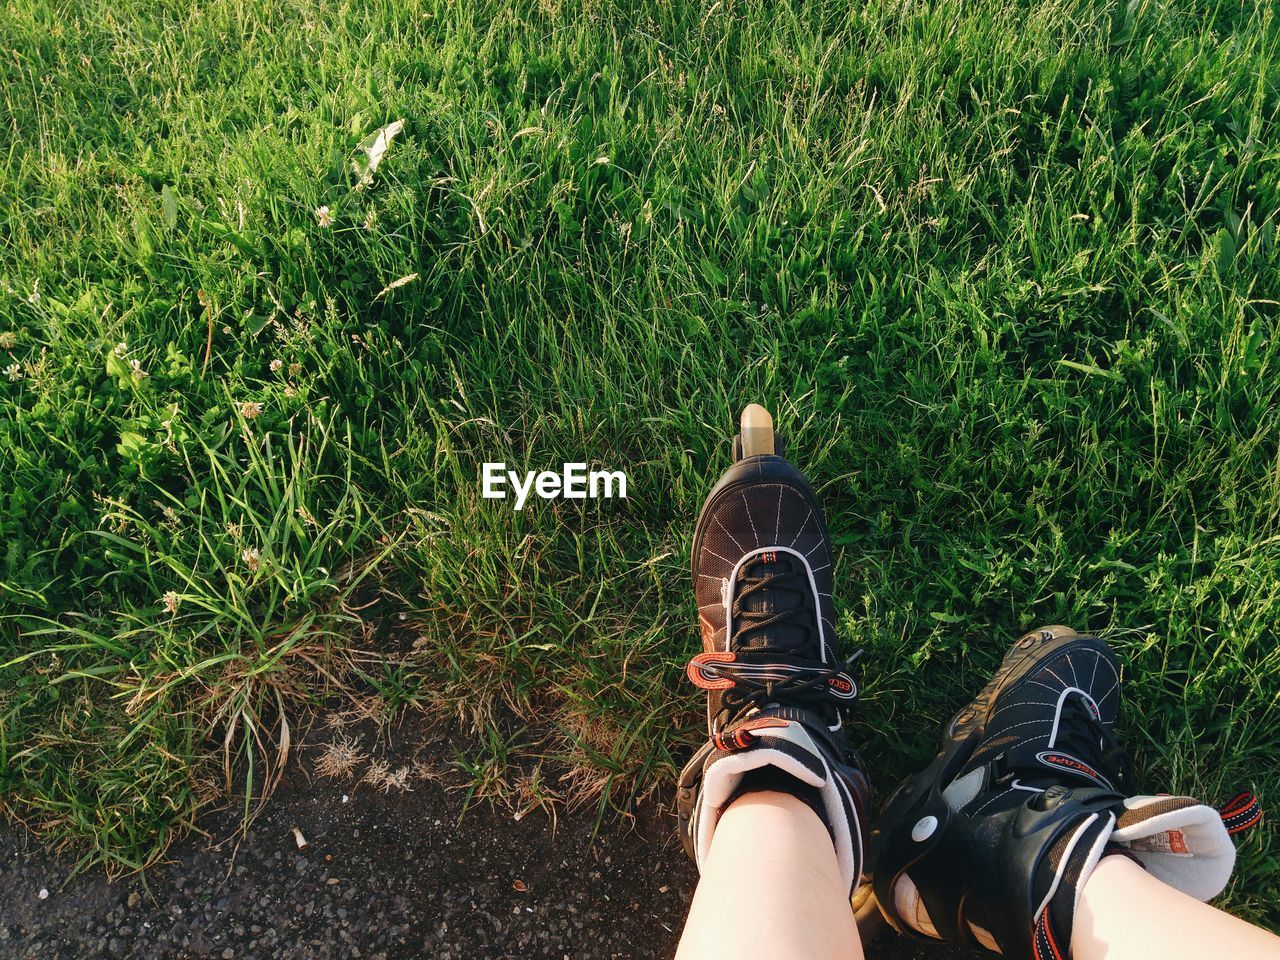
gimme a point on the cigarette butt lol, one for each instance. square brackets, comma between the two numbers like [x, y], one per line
[299, 839]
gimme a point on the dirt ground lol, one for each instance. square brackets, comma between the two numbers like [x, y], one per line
[387, 873]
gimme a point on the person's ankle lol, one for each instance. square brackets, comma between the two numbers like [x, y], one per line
[770, 782]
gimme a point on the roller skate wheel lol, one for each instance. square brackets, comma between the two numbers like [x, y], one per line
[866, 912]
[757, 432]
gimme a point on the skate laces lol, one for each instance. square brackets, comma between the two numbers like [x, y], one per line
[781, 679]
[788, 600]
[1083, 747]
[775, 648]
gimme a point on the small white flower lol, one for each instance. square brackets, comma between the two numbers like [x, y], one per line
[295, 369]
[136, 366]
[602, 161]
[121, 349]
[250, 409]
[323, 216]
[370, 218]
[251, 558]
[171, 601]
[8, 340]
[276, 365]
[13, 372]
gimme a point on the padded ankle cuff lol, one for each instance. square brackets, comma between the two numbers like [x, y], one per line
[1179, 841]
[783, 747]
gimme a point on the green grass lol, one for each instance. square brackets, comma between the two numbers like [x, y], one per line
[1007, 274]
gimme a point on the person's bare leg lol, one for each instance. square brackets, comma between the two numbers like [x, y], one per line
[770, 887]
[1126, 913]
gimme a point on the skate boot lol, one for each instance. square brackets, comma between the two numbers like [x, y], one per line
[995, 839]
[775, 688]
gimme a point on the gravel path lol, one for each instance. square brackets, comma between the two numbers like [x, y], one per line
[385, 875]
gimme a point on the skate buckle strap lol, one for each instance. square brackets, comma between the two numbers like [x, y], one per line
[1241, 813]
[722, 670]
[1043, 941]
[741, 737]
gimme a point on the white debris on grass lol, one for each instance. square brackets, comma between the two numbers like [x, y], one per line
[375, 147]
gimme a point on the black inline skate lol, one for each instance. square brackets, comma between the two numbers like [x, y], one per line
[776, 689]
[994, 840]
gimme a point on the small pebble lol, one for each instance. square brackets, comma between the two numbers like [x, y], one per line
[43, 894]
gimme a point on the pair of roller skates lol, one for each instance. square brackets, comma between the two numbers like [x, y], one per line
[992, 842]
